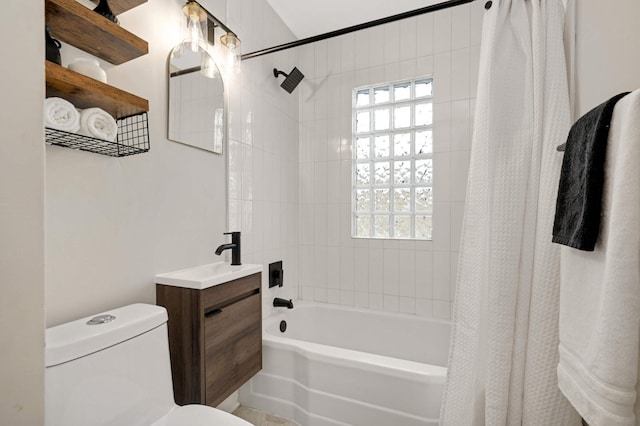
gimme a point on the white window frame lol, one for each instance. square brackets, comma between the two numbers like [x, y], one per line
[414, 211]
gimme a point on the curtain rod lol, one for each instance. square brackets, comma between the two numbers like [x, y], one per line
[336, 33]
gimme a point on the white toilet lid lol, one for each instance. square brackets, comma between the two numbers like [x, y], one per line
[200, 415]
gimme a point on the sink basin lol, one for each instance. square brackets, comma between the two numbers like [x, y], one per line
[205, 276]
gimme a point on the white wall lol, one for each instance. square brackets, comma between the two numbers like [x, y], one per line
[607, 54]
[263, 149]
[112, 224]
[22, 215]
[407, 276]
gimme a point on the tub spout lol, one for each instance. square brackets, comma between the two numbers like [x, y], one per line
[282, 303]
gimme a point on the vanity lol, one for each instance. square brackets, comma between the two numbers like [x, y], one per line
[215, 329]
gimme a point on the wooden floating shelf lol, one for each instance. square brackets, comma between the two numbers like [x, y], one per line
[83, 28]
[120, 6]
[85, 92]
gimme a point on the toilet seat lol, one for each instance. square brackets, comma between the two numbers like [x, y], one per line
[199, 415]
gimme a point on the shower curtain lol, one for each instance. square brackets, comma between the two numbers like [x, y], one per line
[504, 342]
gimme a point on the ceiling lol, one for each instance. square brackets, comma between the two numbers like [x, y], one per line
[308, 18]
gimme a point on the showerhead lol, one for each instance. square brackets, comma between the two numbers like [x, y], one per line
[292, 79]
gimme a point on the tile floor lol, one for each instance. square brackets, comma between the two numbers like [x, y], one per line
[258, 418]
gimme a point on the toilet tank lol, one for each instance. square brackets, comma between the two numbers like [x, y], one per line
[113, 373]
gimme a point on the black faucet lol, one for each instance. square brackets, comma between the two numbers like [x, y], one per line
[234, 246]
[282, 303]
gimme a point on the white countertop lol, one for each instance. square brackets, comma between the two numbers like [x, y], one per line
[205, 276]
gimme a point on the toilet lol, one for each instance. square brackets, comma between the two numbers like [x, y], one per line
[113, 370]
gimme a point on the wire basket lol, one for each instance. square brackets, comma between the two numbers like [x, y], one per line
[133, 138]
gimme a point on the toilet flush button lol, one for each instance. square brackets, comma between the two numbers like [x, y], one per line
[101, 319]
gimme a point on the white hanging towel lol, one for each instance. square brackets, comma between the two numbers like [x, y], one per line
[600, 290]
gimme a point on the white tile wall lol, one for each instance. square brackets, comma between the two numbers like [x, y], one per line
[398, 276]
[268, 140]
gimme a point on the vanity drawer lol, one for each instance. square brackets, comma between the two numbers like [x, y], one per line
[225, 294]
[233, 348]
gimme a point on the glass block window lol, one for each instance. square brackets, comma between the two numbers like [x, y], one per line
[393, 160]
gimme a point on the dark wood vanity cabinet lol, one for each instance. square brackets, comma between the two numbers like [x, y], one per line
[215, 338]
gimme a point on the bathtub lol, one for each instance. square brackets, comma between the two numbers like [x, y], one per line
[339, 365]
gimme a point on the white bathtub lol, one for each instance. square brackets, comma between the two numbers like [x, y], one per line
[345, 366]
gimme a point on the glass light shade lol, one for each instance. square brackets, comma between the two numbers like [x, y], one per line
[196, 25]
[232, 52]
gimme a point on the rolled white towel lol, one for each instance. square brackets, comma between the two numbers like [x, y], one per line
[60, 114]
[98, 123]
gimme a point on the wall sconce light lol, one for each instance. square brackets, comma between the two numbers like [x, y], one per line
[196, 20]
[202, 37]
[232, 44]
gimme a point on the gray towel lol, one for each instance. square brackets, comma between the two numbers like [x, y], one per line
[577, 220]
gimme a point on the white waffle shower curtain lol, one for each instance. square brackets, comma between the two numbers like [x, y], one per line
[504, 342]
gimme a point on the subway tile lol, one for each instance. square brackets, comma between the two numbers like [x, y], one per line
[334, 180]
[408, 39]
[320, 59]
[424, 35]
[333, 95]
[457, 213]
[307, 60]
[376, 301]
[441, 310]
[441, 226]
[307, 293]
[347, 50]
[441, 275]
[321, 294]
[333, 267]
[333, 225]
[407, 69]
[247, 172]
[391, 303]
[441, 176]
[320, 224]
[455, 256]
[460, 23]
[442, 127]
[346, 268]
[392, 71]
[319, 140]
[406, 276]
[321, 98]
[391, 273]
[424, 66]
[376, 45]
[334, 296]
[306, 266]
[334, 141]
[407, 305]
[376, 270]
[460, 77]
[361, 52]
[320, 260]
[424, 274]
[476, 15]
[391, 42]
[474, 69]
[442, 77]
[333, 56]
[361, 269]
[347, 298]
[460, 130]
[424, 308]
[442, 31]
[361, 299]
[459, 173]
